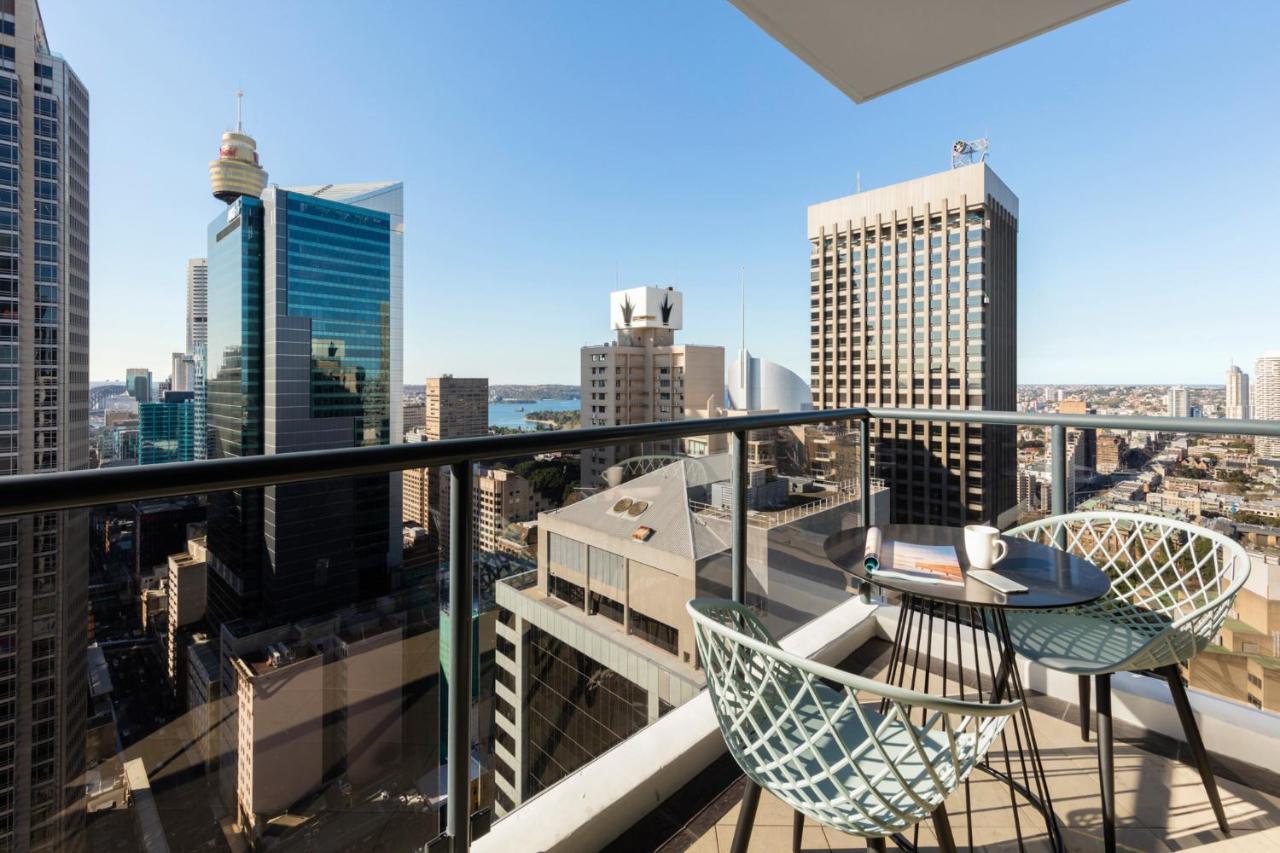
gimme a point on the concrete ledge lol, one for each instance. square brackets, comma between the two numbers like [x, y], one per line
[592, 806]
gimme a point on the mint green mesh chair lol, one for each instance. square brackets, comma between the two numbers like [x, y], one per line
[814, 735]
[1172, 585]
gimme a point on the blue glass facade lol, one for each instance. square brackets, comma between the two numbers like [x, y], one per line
[233, 404]
[166, 430]
[303, 354]
[234, 366]
[339, 264]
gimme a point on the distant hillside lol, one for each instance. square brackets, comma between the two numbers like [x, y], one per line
[510, 392]
[534, 392]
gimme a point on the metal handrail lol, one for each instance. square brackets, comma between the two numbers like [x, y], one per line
[29, 493]
[78, 489]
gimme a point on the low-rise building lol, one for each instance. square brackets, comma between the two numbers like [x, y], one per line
[188, 597]
[596, 643]
[205, 705]
[502, 498]
[1110, 454]
[319, 702]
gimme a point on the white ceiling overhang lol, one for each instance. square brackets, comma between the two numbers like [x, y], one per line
[866, 48]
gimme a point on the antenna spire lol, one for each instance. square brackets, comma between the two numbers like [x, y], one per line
[742, 357]
[239, 110]
[857, 182]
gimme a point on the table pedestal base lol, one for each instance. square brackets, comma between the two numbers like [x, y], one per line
[990, 675]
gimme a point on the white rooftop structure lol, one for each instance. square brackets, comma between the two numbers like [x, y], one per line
[664, 494]
[757, 384]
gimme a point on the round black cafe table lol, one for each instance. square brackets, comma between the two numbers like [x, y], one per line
[926, 654]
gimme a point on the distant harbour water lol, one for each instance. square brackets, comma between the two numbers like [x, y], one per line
[505, 414]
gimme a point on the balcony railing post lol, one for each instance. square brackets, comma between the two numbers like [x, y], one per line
[1059, 465]
[864, 469]
[1059, 449]
[459, 662]
[739, 483]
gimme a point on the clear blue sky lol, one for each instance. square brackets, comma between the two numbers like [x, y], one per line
[545, 145]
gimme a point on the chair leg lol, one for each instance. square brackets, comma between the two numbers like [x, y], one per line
[1106, 762]
[1084, 707]
[797, 832]
[876, 844]
[746, 818]
[1192, 731]
[1001, 681]
[942, 829]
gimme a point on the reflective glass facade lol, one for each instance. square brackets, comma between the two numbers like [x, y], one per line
[339, 268]
[233, 401]
[303, 307]
[575, 709]
[166, 431]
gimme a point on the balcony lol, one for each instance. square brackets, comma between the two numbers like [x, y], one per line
[216, 714]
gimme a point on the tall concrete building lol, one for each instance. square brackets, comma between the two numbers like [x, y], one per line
[455, 408]
[182, 376]
[415, 415]
[1177, 405]
[44, 403]
[1266, 400]
[197, 302]
[1237, 405]
[644, 375]
[1110, 454]
[414, 489]
[913, 303]
[305, 351]
[502, 498]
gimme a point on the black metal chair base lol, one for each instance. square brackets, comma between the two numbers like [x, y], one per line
[1106, 750]
[751, 801]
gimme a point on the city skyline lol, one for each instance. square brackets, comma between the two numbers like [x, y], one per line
[606, 197]
[305, 644]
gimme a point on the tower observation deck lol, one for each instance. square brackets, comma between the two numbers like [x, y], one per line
[237, 172]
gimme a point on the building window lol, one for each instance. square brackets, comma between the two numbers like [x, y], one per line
[658, 633]
[606, 606]
[576, 709]
[566, 591]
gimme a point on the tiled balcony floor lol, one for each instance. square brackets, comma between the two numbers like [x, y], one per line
[1160, 801]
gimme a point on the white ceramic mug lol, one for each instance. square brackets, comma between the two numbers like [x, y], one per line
[984, 546]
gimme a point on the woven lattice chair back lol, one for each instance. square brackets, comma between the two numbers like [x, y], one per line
[814, 735]
[1171, 580]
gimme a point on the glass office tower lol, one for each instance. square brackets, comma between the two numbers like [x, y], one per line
[233, 402]
[166, 430]
[305, 290]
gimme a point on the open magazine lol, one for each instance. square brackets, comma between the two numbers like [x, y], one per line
[886, 558]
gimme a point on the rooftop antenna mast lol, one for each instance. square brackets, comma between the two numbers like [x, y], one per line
[239, 110]
[742, 357]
